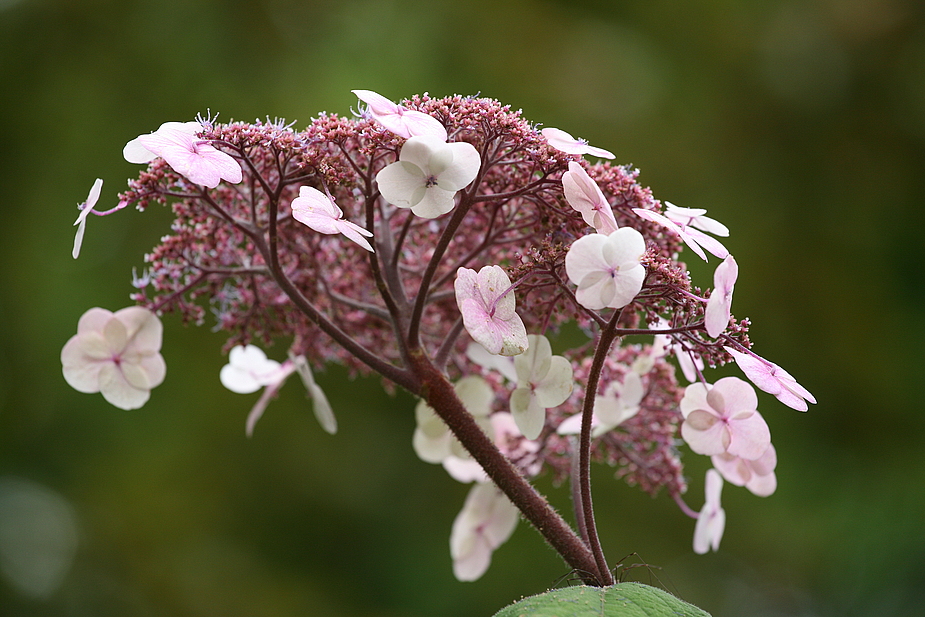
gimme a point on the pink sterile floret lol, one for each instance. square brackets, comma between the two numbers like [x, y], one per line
[403, 122]
[719, 306]
[487, 304]
[585, 196]
[192, 157]
[116, 354]
[773, 379]
[724, 418]
[318, 211]
[563, 142]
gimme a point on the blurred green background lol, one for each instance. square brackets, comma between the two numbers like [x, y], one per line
[801, 125]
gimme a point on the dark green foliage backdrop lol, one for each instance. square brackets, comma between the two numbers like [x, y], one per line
[799, 124]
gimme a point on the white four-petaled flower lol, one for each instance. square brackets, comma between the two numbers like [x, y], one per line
[196, 159]
[585, 196]
[318, 211]
[487, 304]
[403, 122]
[117, 354]
[606, 268]
[543, 381]
[428, 174]
[563, 142]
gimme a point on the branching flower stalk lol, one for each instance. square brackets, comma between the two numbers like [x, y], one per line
[439, 243]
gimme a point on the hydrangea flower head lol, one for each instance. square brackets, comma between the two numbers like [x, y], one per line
[708, 532]
[724, 418]
[606, 268]
[563, 142]
[403, 122]
[318, 211]
[428, 174]
[117, 354]
[197, 160]
[487, 304]
[585, 196]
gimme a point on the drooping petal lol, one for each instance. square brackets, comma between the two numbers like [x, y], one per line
[585, 196]
[485, 522]
[81, 221]
[712, 520]
[718, 311]
[563, 142]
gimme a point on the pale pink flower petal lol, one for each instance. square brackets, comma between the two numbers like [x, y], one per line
[192, 157]
[563, 142]
[321, 213]
[757, 475]
[772, 379]
[606, 268]
[719, 304]
[696, 240]
[486, 521]
[85, 209]
[487, 304]
[403, 122]
[585, 196]
[135, 152]
[712, 519]
[116, 354]
[694, 217]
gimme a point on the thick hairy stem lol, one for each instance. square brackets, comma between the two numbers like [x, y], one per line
[441, 396]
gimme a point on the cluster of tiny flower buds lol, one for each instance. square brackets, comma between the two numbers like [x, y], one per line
[372, 240]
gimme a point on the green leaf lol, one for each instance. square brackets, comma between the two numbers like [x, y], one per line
[620, 600]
